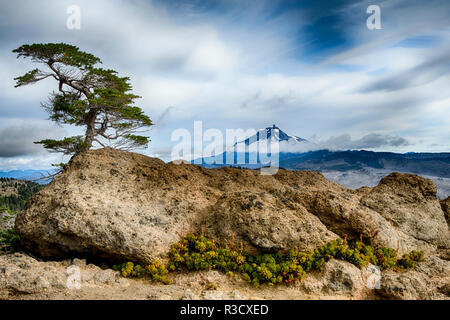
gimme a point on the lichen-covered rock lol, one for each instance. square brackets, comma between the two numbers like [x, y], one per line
[428, 280]
[20, 273]
[410, 285]
[221, 295]
[189, 295]
[263, 224]
[116, 205]
[336, 277]
[23, 274]
[341, 276]
[409, 203]
[24, 277]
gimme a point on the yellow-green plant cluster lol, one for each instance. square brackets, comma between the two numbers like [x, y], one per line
[199, 253]
[156, 271]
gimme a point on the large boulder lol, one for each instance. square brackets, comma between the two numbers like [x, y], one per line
[116, 205]
[409, 203]
[429, 279]
[264, 223]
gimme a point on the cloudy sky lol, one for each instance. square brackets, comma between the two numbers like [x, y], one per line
[311, 67]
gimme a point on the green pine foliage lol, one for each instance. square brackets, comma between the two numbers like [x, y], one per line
[6, 217]
[9, 241]
[194, 253]
[9, 206]
[24, 190]
[96, 99]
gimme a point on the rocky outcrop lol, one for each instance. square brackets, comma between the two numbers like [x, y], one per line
[408, 203]
[335, 278]
[263, 222]
[24, 277]
[428, 280]
[115, 205]
[445, 204]
[22, 274]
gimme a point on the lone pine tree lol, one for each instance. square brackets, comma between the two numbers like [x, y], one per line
[94, 98]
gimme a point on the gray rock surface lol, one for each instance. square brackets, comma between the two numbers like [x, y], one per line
[336, 278]
[22, 274]
[264, 223]
[429, 280]
[408, 202]
[406, 286]
[370, 177]
[341, 276]
[24, 277]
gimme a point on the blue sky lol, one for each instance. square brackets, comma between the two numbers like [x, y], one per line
[311, 67]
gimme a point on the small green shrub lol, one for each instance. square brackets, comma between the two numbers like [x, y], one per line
[9, 241]
[417, 256]
[210, 286]
[409, 260]
[195, 253]
[156, 271]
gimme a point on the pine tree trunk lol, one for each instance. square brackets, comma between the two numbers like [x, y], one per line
[90, 130]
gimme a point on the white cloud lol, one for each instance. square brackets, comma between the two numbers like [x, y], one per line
[17, 136]
[232, 72]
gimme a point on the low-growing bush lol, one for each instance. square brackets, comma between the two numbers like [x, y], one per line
[409, 260]
[210, 286]
[156, 271]
[9, 241]
[195, 253]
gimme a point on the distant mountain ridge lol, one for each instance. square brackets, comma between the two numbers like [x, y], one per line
[435, 164]
[353, 168]
[24, 174]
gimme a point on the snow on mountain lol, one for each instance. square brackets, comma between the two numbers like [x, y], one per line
[273, 133]
[287, 142]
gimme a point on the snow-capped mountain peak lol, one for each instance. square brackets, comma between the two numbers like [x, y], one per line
[273, 133]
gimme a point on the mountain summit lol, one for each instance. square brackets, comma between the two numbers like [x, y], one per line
[274, 134]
